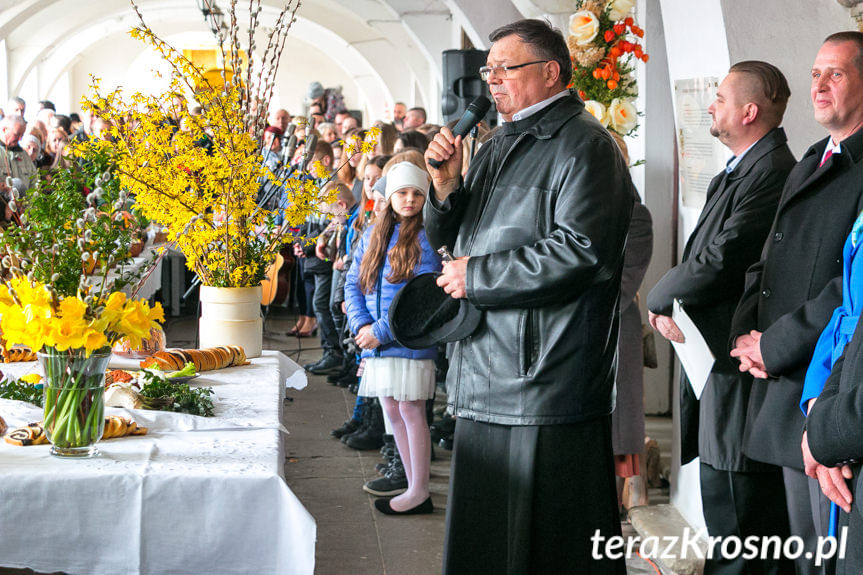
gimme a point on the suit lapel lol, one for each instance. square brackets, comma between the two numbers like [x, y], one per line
[809, 174]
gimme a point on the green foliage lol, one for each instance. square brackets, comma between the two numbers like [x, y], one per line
[21, 391]
[67, 221]
[177, 397]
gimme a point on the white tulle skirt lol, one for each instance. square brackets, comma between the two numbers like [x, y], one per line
[398, 377]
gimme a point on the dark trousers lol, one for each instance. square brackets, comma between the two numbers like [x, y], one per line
[306, 293]
[742, 504]
[851, 524]
[329, 335]
[800, 512]
[335, 304]
[528, 499]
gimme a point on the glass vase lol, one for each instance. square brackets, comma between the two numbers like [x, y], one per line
[74, 387]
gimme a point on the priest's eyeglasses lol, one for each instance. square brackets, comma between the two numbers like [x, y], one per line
[502, 72]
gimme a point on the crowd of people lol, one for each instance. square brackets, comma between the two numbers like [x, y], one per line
[38, 144]
[549, 243]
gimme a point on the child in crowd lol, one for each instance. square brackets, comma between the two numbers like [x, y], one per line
[391, 252]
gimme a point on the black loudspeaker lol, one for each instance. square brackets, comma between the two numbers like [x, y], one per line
[462, 84]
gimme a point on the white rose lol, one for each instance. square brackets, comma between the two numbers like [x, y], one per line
[620, 9]
[622, 116]
[597, 110]
[584, 26]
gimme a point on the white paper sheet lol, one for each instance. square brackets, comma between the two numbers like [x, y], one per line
[694, 354]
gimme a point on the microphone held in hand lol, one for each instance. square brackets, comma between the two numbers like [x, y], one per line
[474, 114]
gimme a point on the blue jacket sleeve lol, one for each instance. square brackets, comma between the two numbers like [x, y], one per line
[355, 299]
[821, 364]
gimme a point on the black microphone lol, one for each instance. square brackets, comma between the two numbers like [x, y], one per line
[311, 144]
[290, 148]
[474, 114]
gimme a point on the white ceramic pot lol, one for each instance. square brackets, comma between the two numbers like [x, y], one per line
[231, 316]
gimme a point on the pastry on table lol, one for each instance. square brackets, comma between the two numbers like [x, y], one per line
[208, 359]
[34, 434]
[16, 354]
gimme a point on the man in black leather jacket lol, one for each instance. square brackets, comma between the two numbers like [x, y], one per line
[538, 226]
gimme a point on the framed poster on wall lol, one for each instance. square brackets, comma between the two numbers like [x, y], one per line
[700, 155]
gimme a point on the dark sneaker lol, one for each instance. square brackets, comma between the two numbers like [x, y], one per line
[392, 484]
[349, 426]
[328, 364]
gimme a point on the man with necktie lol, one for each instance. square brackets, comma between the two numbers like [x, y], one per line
[792, 291]
[738, 495]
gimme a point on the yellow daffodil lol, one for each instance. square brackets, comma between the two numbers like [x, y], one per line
[67, 333]
[73, 308]
[31, 378]
[94, 340]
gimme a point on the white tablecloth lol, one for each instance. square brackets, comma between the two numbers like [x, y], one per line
[196, 495]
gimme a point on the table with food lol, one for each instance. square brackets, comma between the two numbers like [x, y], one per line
[188, 477]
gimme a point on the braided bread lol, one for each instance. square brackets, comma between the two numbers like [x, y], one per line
[17, 354]
[204, 359]
[34, 434]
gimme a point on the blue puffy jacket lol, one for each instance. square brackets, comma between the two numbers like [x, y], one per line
[373, 308]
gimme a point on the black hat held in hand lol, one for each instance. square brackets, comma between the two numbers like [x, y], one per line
[423, 315]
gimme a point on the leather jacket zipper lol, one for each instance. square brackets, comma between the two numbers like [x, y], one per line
[528, 332]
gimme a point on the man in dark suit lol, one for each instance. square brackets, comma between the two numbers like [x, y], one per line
[792, 291]
[833, 440]
[738, 494]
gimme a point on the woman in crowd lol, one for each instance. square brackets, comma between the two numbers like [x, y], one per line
[390, 253]
[58, 139]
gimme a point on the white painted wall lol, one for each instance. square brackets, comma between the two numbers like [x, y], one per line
[121, 60]
[788, 35]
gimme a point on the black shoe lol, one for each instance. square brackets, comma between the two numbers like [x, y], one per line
[349, 426]
[393, 483]
[360, 429]
[349, 380]
[389, 446]
[354, 388]
[424, 508]
[349, 369]
[365, 440]
[328, 364]
[443, 427]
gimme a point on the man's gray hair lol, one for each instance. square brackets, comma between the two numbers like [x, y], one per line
[546, 41]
